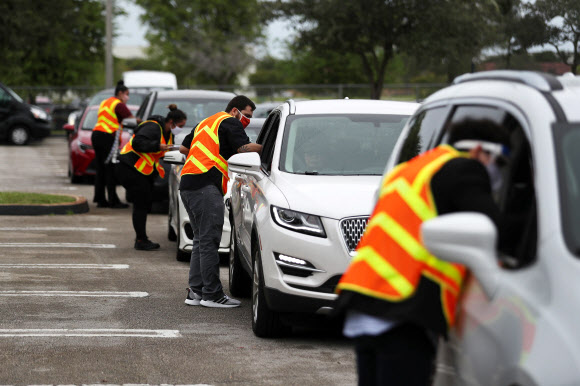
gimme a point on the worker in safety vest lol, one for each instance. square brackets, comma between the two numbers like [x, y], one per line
[204, 182]
[139, 165]
[398, 298]
[112, 112]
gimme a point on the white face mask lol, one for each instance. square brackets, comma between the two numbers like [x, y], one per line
[176, 130]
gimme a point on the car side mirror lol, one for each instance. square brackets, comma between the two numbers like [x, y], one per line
[129, 123]
[467, 238]
[68, 128]
[174, 157]
[246, 163]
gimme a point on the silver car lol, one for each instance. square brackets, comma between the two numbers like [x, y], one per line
[519, 313]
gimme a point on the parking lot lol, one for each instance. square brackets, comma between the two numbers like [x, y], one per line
[81, 306]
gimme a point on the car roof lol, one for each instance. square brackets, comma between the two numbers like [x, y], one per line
[353, 106]
[206, 94]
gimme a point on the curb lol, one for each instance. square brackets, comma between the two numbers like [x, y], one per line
[80, 205]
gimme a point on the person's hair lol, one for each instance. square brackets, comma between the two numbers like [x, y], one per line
[120, 87]
[240, 102]
[175, 114]
[478, 129]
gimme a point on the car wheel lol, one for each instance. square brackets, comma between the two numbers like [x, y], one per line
[265, 322]
[181, 255]
[239, 281]
[19, 135]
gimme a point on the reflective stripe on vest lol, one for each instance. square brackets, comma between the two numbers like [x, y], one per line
[204, 152]
[107, 119]
[390, 257]
[147, 161]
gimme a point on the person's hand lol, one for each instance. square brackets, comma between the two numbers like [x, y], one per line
[164, 147]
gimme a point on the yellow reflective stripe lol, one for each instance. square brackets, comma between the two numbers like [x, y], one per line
[204, 149]
[109, 122]
[367, 291]
[223, 165]
[412, 246]
[415, 202]
[197, 163]
[212, 134]
[428, 170]
[384, 270]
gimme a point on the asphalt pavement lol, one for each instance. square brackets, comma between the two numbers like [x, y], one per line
[80, 306]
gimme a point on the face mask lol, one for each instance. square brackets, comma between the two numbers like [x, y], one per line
[495, 176]
[176, 130]
[245, 120]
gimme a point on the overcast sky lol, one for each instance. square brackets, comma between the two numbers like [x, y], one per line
[131, 31]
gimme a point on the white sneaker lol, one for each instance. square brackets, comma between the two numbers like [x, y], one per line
[192, 298]
[224, 302]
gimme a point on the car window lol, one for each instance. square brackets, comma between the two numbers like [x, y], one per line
[269, 142]
[4, 97]
[422, 133]
[567, 138]
[339, 144]
[90, 119]
[195, 109]
[265, 128]
[516, 199]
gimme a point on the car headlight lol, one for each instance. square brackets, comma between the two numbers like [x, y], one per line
[298, 222]
[84, 146]
[39, 113]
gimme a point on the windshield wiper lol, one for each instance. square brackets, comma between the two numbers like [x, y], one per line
[313, 173]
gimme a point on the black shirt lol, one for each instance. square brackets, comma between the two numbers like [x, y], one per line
[147, 139]
[231, 136]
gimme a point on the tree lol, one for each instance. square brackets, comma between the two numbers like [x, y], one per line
[373, 30]
[202, 41]
[40, 49]
[563, 20]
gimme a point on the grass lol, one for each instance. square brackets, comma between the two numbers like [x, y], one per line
[20, 198]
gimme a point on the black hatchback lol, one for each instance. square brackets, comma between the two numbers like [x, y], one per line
[19, 121]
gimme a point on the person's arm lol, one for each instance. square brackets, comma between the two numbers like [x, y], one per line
[250, 147]
[186, 144]
[123, 112]
[238, 138]
[148, 138]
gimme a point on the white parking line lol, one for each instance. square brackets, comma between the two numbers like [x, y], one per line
[5, 333]
[65, 266]
[52, 229]
[55, 245]
[99, 294]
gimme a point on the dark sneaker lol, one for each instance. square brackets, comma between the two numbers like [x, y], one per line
[102, 204]
[224, 302]
[192, 298]
[146, 245]
[119, 205]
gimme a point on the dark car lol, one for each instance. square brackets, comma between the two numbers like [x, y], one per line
[196, 104]
[19, 121]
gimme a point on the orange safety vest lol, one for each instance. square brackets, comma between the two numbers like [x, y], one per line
[204, 152]
[391, 259]
[107, 119]
[147, 161]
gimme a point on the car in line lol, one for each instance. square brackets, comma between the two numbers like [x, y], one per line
[21, 122]
[196, 104]
[179, 227]
[82, 163]
[299, 208]
[517, 321]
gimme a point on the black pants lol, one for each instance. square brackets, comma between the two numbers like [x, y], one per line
[140, 189]
[102, 143]
[402, 356]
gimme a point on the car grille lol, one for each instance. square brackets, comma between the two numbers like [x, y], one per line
[352, 230]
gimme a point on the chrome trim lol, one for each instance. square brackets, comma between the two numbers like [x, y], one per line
[351, 252]
[324, 310]
[299, 267]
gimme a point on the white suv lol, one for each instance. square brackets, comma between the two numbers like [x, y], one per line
[299, 210]
[519, 314]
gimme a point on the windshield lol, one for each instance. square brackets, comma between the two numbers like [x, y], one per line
[14, 95]
[90, 119]
[252, 132]
[195, 109]
[568, 144]
[353, 144]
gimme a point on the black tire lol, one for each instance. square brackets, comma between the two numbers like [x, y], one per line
[181, 255]
[19, 135]
[239, 280]
[265, 322]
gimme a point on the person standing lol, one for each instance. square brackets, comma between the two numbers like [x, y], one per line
[398, 298]
[112, 112]
[204, 180]
[139, 164]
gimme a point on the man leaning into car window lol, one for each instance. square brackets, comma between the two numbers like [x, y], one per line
[397, 297]
[204, 180]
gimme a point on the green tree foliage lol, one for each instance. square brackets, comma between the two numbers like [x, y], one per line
[373, 30]
[202, 41]
[563, 20]
[52, 43]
